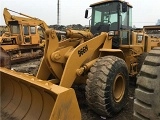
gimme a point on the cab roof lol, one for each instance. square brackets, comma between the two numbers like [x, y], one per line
[106, 1]
[152, 27]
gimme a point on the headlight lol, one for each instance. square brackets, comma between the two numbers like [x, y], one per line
[139, 38]
[111, 33]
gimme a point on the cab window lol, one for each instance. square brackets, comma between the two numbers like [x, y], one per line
[15, 29]
[33, 29]
[26, 30]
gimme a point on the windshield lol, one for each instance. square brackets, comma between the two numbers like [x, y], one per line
[104, 17]
[15, 29]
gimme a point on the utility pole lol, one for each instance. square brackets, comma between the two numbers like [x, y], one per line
[58, 12]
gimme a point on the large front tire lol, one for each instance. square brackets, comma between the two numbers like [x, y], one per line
[107, 86]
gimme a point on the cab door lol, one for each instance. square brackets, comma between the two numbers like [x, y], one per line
[35, 38]
[26, 35]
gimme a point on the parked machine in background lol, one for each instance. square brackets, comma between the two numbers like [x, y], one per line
[22, 41]
[107, 56]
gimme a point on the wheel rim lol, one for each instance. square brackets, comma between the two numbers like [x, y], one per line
[118, 88]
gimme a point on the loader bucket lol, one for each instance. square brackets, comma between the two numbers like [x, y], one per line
[28, 98]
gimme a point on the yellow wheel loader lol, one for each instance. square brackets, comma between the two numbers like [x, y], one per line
[107, 56]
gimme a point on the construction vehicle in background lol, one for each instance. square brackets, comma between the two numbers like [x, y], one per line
[107, 56]
[152, 30]
[22, 41]
[153, 34]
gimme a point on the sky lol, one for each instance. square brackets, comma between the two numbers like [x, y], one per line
[144, 12]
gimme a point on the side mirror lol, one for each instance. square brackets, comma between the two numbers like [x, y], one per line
[124, 7]
[86, 14]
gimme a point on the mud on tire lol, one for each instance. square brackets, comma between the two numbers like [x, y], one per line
[107, 86]
[147, 102]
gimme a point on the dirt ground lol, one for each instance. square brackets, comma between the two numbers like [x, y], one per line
[87, 113]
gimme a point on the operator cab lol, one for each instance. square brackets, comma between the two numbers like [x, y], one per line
[26, 34]
[112, 16]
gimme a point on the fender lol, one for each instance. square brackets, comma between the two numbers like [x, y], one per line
[115, 52]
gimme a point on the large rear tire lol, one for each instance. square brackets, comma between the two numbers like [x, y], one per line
[147, 94]
[107, 86]
[141, 59]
